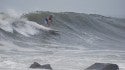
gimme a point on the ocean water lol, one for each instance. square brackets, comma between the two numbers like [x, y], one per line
[74, 41]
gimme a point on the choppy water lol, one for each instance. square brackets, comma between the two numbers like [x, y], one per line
[81, 41]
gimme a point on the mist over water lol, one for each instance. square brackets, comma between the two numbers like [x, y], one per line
[73, 42]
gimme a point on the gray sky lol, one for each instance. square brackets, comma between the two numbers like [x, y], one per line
[115, 8]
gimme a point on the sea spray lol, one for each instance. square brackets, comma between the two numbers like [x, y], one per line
[12, 21]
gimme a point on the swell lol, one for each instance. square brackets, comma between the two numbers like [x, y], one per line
[67, 28]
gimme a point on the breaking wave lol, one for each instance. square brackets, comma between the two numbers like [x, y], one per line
[72, 38]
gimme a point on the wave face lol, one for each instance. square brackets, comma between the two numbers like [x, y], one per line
[83, 29]
[72, 37]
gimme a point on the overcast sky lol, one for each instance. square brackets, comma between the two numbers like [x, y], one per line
[115, 8]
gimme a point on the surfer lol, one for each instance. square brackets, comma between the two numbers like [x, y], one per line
[48, 20]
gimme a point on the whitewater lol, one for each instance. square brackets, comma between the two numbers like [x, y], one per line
[74, 41]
